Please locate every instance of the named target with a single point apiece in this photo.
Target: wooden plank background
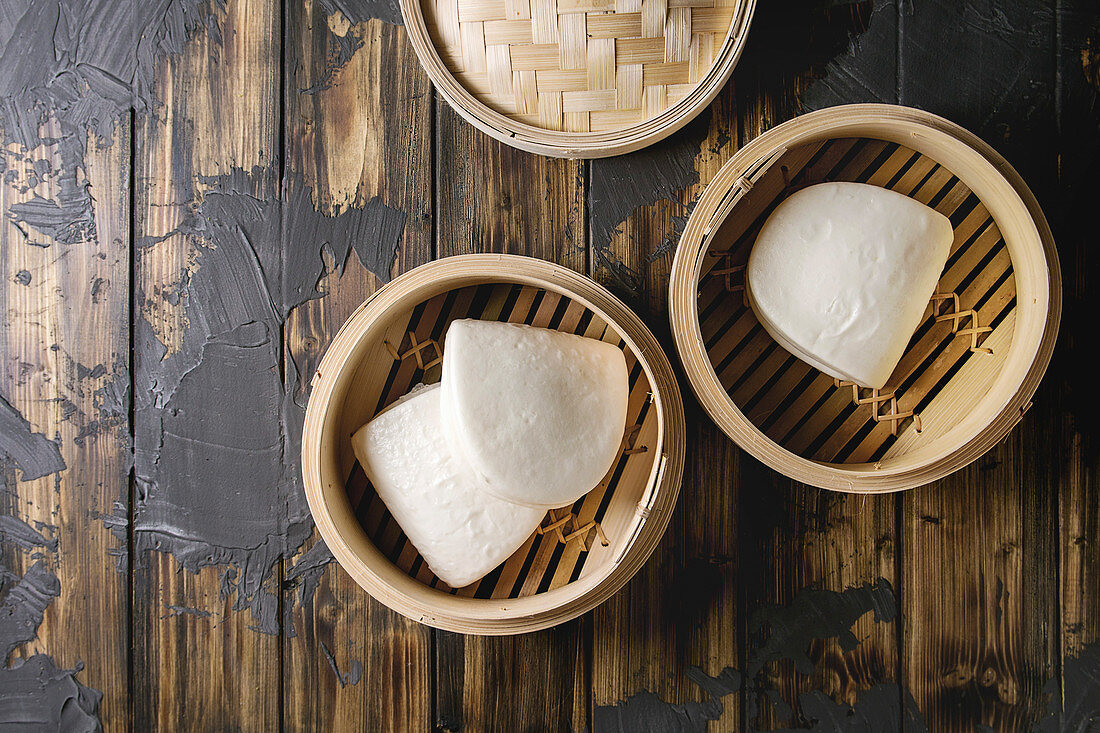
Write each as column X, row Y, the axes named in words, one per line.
column 968, row 604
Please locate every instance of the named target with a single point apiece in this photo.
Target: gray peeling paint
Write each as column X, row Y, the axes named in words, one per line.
column 174, row 610
column 40, row 697
column 69, row 219
column 868, row 71
column 34, row 694
column 1005, row 96
column 878, row 708
column 647, row 713
column 1081, row 692
column 33, row 453
column 71, row 67
column 307, row 571
column 621, row 185
column 217, row 428
column 818, row 614
column 216, row 425
column 812, row 615
column 23, row 606
column 360, row 11
column 19, row 533
column 352, row 676
column 342, row 47
column 215, row 485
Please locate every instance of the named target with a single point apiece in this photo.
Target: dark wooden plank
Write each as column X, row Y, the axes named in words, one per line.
column 196, row 659
column 1069, row 401
column 811, row 550
column 491, row 198
column 820, row 554
column 354, row 147
column 784, row 538
column 980, row 591
column 676, row 623
column 1006, row 94
column 678, row 619
column 980, row 647
column 64, row 338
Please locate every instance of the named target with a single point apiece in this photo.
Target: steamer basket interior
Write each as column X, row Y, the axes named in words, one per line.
column 574, row 541
column 951, row 361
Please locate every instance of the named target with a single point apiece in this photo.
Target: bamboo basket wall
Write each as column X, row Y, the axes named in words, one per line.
column 578, row 78
column 970, row 370
column 581, row 554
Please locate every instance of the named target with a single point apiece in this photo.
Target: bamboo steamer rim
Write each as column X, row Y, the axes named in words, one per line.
column 341, row 530
column 561, row 144
column 1031, row 248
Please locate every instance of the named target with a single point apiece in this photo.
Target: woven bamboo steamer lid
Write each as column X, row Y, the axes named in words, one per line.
column 578, row 78
column 966, row 400
column 377, row 355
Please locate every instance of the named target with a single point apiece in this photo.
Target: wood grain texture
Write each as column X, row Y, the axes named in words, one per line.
column 1071, row 398
column 492, row 198
column 219, row 111
column 980, row 649
column 996, row 570
column 63, row 318
column 682, row 609
column 797, row 537
column 802, row 539
column 350, row 142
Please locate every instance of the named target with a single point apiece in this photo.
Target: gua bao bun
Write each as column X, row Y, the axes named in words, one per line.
column 841, row 274
column 459, row 530
column 538, row 414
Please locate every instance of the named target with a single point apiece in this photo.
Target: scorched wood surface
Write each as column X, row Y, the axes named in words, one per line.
column 196, row 194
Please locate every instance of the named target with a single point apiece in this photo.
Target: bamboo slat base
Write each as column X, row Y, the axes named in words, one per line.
column 955, row 391
column 582, row 553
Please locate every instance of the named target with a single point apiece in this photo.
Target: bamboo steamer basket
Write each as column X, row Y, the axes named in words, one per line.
column 968, row 374
column 581, row 554
column 578, row 78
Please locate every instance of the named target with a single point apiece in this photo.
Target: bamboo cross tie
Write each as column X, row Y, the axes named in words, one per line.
column 558, row 526
column 726, row 270
column 416, row 349
column 727, row 273
column 957, row 316
column 874, row 400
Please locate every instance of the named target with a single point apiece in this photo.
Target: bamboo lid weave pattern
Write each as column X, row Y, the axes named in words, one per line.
column 578, row 78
